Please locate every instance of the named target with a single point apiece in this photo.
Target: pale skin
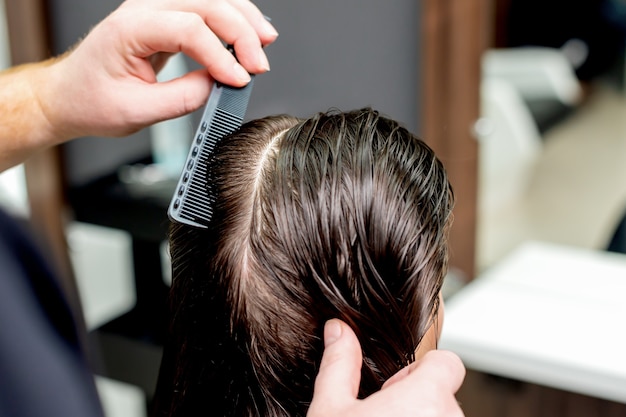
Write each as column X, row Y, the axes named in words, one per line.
column 425, row 388
column 107, row 86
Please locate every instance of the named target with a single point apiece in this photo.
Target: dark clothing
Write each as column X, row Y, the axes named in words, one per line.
column 43, row 370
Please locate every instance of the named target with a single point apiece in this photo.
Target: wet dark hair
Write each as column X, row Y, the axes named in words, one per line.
column 342, row 215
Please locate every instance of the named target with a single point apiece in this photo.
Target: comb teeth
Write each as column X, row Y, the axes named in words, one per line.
column 235, row 100
column 192, row 203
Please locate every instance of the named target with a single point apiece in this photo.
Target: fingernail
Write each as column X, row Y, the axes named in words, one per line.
column 269, row 29
column 263, row 62
column 241, row 73
column 332, row 332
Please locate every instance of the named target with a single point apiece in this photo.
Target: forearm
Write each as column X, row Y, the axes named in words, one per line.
column 24, row 126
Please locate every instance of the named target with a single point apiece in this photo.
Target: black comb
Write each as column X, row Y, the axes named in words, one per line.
column 192, row 202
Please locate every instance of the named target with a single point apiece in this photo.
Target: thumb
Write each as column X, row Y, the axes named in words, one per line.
column 178, row 96
column 337, row 384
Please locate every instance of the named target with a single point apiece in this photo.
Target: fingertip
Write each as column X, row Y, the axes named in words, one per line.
column 337, row 331
column 251, row 56
column 340, row 368
column 225, row 68
column 453, row 360
column 263, row 27
column 443, row 366
column 332, row 332
column 268, row 32
column 241, row 74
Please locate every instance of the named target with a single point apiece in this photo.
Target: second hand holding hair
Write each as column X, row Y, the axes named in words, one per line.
column 426, row 387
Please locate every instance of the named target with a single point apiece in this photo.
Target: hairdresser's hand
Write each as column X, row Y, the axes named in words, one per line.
column 107, row 85
column 425, row 388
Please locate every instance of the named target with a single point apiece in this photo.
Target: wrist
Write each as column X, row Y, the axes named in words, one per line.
column 24, row 127
column 52, row 99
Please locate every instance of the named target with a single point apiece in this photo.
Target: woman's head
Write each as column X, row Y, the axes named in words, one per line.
column 341, row 215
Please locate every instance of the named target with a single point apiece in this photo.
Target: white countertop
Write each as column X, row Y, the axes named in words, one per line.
column 547, row 314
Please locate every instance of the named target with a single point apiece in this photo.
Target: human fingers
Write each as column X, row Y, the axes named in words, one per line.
column 337, row 383
column 444, row 368
column 398, row 376
column 217, row 10
column 236, row 22
column 233, row 26
column 171, row 32
column 169, row 99
column 441, row 374
column 266, row 31
column 437, row 366
column 446, row 365
column 427, row 388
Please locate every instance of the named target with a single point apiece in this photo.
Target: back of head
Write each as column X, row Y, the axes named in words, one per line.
column 341, row 215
